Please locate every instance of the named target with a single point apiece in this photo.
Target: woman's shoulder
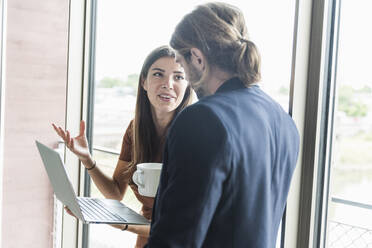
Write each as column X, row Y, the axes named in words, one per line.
column 131, row 124
column 126, row 147
column 129, row 130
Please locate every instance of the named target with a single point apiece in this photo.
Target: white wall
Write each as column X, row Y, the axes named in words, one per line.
column 2, row 93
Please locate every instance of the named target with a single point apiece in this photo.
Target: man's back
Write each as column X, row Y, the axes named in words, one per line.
column 228, row 164
column 265, row 147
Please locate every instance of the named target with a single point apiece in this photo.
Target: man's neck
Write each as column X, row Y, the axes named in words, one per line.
column 215, row 79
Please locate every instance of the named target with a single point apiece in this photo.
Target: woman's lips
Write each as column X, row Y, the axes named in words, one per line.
column 166, row 97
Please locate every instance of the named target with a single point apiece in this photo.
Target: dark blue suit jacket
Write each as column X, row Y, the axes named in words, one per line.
column 228, row 164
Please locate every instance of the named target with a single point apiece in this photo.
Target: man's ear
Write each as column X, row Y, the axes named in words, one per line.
column 197, row 58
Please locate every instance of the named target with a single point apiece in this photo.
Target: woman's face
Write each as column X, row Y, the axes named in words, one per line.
column 165, row 85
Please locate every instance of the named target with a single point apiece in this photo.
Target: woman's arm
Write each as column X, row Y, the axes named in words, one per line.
column 141, row 230
column 108, row 186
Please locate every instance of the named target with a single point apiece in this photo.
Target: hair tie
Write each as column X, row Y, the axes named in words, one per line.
column 243, row 40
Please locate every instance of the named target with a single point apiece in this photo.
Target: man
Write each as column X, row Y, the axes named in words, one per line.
column 229, row 158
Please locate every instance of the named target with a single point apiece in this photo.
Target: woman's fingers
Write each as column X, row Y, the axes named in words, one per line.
column 62, row 133
column 55, row 128
column 69, row 211
column 66, row 136
column 72, row 144
column 68, row 139
column 82, row 128
column 58, row 131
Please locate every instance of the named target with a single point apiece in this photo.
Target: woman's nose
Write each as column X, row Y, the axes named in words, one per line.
column 168, row 83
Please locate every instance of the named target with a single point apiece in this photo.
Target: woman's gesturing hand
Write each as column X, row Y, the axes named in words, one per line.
column 78, row 145
column 69, row 212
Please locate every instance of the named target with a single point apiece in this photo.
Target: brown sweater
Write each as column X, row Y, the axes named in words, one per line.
column 123, row 176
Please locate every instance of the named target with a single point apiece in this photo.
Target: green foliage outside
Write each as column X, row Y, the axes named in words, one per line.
column 356, row 150
column 366, row 89
column 349, row 104
column 109, row 82
column 283, row 90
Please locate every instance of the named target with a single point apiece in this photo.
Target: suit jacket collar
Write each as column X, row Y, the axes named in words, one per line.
column 232, row 84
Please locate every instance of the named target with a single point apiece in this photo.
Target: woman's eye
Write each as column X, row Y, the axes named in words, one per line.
column 178, row 77
column 157, row 74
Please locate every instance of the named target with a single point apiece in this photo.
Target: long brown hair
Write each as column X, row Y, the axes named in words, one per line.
column 145, row 140
column 218, row 30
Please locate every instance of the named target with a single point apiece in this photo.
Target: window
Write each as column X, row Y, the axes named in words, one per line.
column 349, row 211
column 125, row 34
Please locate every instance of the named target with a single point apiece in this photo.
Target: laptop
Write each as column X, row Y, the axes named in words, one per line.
column 89, row 210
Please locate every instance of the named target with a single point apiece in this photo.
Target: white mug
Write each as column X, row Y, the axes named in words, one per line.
column 147, row 178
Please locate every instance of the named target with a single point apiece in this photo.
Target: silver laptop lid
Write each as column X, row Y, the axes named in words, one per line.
column 59, row 179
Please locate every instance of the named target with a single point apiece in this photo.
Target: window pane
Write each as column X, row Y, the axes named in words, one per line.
column 127, row 32
column 350, row 201
column 104, row 236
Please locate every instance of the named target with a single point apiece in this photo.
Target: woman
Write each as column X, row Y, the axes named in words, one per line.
column 162, row 93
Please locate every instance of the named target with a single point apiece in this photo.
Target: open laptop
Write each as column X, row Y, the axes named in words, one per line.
column 89, row 210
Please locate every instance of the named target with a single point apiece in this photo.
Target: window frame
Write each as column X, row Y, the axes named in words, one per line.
column 312, row 74
column 323, row 197
column 326, row 124
column 308, row 50
column 317, row 124
column 77, row 108
column 305, row 106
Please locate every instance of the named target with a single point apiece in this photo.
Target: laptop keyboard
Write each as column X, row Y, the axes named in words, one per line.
column 95, row 209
